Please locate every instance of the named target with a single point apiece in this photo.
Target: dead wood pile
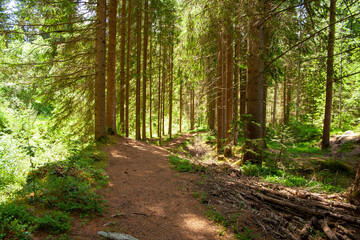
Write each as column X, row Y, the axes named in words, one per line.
column 284, row 213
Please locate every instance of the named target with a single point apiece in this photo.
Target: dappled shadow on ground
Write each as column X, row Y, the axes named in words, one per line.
column 147, row 199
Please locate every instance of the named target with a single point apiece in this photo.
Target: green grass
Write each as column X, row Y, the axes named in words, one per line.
column 183, row 165
column 305, row 147
column 52, row 192
column 324, row 183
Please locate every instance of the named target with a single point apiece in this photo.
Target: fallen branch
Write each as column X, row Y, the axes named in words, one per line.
column 305, row 232
column 327, row 230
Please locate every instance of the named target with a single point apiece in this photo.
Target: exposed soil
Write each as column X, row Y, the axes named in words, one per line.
column 147, row 199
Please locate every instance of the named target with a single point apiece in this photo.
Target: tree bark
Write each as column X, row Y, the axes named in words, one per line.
column 111, row 86
column 181, row 104
column 159, row 98
column 229, row 92
column 288, row 103
column 211, row 96
column 100, row 114
column 146, row 29
column 284, row 100
column 329, row 77
column 192, row 109
column 220, row 93
column 254, row 92
column 150, row 87
column 275, row 103
column 138, row 71
column 128, row 70
column 243, row 83
column 122, row 66
column 298, row 84
column 171, row 90
column 164, row 76
column 236, row 90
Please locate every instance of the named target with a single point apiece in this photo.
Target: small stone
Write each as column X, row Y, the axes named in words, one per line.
column 349, row 133
column 116, row 236
column 109, row 224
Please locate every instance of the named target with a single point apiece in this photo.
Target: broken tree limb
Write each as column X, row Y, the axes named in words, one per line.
column 305, row 232
column 347, row 232
column 327, row 230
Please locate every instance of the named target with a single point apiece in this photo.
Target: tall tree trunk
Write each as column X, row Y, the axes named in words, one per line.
column 146, row 29
column 192, row 109
column 298, row 84
column 275, row 103
column 329, row 77
column 284, row 100
column 288, row 103
column 171, row 90
column 111, row 86
column 263, row 130
column 267, row 39
column 138, row 70
column 254, row 93
column 150, row 87
column 100, row 114
column 159, row 98
column 164, row 76
column 242, row 92
column 128, row 70
column 122, row 66
column 181, row 104
column 236, row 90
column 229, row 92
column 220, row 92
column 211, row 98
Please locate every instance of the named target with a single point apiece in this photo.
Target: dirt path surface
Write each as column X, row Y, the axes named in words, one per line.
column 147, row 199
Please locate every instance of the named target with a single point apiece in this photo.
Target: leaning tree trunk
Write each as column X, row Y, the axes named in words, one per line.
column 329, row 77
column 254, row 93
column 100, row 117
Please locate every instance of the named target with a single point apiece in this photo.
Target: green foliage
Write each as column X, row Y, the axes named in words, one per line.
column 305, row 133
column 347, row 146
column 304, row 147
column 15, row 221
column 216, row 216
column 70, row 185
column 54, row 222
column 288, row 178
column 245, row 234
column 334, row 166
column 183, row 165
column 52, row 192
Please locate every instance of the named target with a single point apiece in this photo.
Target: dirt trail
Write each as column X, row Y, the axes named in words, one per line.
column 150, row 200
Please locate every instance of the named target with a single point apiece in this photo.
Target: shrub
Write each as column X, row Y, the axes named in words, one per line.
column 54, row 222
column 15, row 221
column 183, row 165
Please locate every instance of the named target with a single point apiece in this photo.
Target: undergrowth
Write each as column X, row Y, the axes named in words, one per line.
column 183, row 165
column 54, row 191
column 322, row 179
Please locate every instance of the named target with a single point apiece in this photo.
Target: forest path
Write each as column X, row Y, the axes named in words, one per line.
column 146, row 198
